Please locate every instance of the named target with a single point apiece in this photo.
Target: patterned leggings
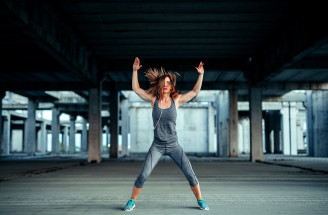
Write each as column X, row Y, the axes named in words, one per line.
column 175, row 151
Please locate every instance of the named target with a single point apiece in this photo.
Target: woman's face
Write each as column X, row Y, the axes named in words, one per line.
column 167, row 85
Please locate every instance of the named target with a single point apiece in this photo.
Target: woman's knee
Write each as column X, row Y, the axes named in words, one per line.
column 140, row 180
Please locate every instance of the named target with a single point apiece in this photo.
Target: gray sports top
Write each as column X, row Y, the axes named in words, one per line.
column 165, row 129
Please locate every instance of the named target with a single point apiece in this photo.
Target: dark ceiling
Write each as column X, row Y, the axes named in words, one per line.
column 72, row 45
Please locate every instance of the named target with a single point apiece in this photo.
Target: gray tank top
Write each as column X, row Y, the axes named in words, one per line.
column 165, row 130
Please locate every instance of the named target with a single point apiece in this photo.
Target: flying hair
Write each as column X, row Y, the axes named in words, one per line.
column 156, row 78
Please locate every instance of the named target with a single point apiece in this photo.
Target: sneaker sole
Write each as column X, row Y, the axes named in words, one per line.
column 131, row 209
column 204, row 209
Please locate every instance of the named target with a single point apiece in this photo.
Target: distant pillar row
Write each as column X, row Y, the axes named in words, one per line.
column 272, row 130
column 255, row 110
column 95, row 128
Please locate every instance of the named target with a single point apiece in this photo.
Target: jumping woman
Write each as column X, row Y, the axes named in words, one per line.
column 165, row 101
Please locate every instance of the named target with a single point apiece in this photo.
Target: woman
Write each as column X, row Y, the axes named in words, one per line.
column 165, row 101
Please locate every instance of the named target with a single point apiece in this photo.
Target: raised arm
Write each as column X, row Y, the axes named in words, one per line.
column 135, row 83
column 191, row 94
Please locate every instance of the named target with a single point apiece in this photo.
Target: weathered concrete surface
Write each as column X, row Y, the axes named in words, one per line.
column 238, row 187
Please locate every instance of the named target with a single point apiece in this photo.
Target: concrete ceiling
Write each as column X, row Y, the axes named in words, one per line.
column 73, row 44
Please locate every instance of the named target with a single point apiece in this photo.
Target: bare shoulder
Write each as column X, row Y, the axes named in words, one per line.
column 177, row 98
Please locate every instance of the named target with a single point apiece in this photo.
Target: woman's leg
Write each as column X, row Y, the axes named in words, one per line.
column 197, row 192
column 135, row 192
column 176, row 152
column 153, row 156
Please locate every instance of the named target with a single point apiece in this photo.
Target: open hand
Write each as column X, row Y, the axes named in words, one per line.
column 200, row 68
column 136, row 65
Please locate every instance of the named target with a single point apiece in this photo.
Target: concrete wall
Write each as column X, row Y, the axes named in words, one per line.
column 244, row 136
column 192, row 127
column 293, row 119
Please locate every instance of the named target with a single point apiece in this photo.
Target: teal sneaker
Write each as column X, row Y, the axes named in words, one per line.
column 202, row 204
column 130, row 205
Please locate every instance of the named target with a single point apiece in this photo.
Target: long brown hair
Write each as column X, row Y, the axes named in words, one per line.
column 157, row 77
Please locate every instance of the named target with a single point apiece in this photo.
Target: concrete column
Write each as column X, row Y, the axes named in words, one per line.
column 55, row 131
column 114, row 101
column 2, row 94
column 276, row 134
column 6, row 134
column 267, row 148
column 84, row 136
column 309, row 124
column 30, row 134
column 255, row 109
column 43, row 138
column 293, row 127
column 222, row 118
column 95, row 128
column 125, row 126
column 72, row 135
column 107, row 135
column 233, row 123
column 240, row 137
column 65, row 141
column 211, row 129
column 320, row 123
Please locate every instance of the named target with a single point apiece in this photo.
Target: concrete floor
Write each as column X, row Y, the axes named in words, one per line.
column 230, row 187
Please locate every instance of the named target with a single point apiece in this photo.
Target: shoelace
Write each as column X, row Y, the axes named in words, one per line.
column 130, row 202
column 202, row 202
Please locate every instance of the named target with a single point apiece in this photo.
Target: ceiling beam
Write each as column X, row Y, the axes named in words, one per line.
column 53, row 33
column 297, row 38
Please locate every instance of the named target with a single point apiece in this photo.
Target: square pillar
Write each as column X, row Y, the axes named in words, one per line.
column 6, row 135
column 222, row 119
column 55, row 131
column 309, row 124
column 43, row 138
column 2, row 94
column 84, row 136
column 125, row 126
column 72, row 135
column 95, row 131
column 255, row 112
column 30, row 133
column 114, row 111
column 107, row 135
column 233, row 123
column 65, row 140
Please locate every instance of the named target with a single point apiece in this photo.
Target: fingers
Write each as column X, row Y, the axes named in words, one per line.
column 136, row 60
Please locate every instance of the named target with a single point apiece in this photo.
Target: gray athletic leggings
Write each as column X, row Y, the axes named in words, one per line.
column 175, row 151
